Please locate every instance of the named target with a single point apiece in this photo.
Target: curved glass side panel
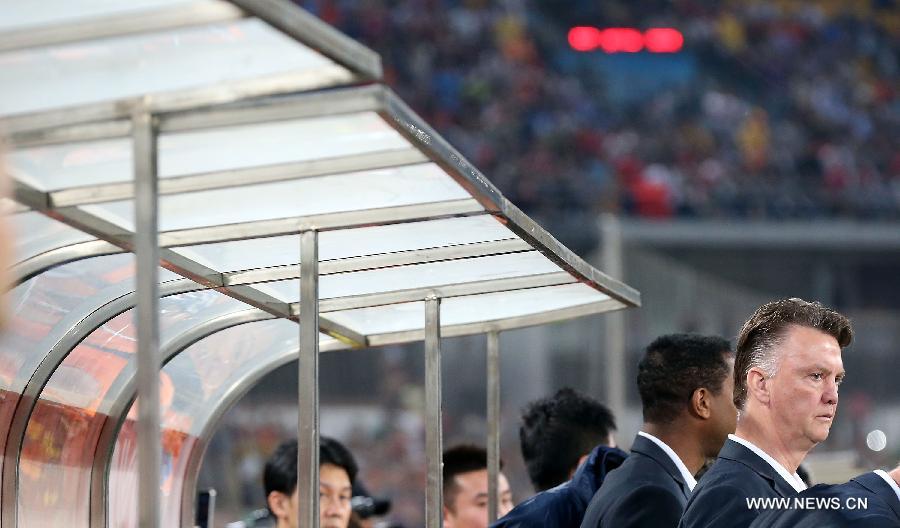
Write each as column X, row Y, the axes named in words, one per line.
column 38, row 309
column 196, row 380
column 104, row 69
column 36, row 233
column 469, row 309
column 62, row 434
column 345, row 243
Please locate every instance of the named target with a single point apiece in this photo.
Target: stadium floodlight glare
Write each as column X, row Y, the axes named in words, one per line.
column 625, row 40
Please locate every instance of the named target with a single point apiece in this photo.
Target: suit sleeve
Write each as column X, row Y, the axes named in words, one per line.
column 645, row 507
column 716, row 506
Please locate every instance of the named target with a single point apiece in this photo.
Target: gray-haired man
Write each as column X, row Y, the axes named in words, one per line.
column 786, row 375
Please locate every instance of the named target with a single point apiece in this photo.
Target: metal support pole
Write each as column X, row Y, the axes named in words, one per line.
column 434, row 502
column 308, row 364
column 615, row 322
column 493, row 423
column 146, row 245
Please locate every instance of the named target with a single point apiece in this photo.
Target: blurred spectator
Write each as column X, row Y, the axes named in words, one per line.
column 787, row 110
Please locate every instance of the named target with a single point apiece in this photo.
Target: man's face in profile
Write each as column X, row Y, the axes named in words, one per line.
column 470, row 504
column 724, row 413
column 804, row 393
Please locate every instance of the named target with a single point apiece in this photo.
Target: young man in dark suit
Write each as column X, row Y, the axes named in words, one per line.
column 786, row 375
column 686, row 385
column 871, row 500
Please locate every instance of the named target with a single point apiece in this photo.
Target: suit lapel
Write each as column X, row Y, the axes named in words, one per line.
column 648, row 448
column 739, row 453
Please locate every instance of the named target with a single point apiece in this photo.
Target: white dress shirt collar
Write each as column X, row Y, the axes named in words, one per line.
column 891, row 482
column 794, row 480
column 685, row 474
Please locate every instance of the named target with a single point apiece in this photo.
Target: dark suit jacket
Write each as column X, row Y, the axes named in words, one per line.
column 845, row 507
column 646, row 491
column 564, row 505
column 720, row 498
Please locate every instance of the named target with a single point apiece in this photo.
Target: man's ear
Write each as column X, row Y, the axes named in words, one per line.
column 279, row 503
column 701, row 403
column 758, row 385
column 448, row 523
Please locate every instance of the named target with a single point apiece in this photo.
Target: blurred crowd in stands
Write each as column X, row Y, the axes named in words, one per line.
column 791, row 110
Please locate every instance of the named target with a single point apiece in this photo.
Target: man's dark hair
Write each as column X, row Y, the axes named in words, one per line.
column 557, row 431
column 767, row 327
column 280, row 473
column 458, row 460
column 676, row 365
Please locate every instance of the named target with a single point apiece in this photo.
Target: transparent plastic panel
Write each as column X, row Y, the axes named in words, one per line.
column 422, row 275
column 197, row 380
column 333, row 245
column 40, row 310
column 18, row 15
column 61, row 437
column 469, row 309
column 35, row 233
column 55, row 167
column 134, row 65
column 414, row 184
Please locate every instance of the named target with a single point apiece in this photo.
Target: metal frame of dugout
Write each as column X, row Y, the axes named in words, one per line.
column 340, row 210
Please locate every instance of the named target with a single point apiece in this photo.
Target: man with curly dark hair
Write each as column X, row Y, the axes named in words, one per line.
column 686, row 385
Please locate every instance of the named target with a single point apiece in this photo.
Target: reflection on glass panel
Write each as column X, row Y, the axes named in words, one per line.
column 413, row 184
column 55, row 167
column 61, row 437
column 196, row 381
column 37, row 312
column 25, row 15
column 276, row 251
column 422, row 275
column 36, row 233
column 469, row 309
column 128, row 66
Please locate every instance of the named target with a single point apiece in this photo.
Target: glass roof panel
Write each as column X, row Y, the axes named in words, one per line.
column 468, row 309
column 135, row 65
column 55, row 167
column 276, row 251
column 396, row 186
column 421, row 275
column 18, row 15
column 37, row 233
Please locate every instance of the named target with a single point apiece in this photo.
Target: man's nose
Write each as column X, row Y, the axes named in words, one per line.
column 830, row 396
column 329, row 506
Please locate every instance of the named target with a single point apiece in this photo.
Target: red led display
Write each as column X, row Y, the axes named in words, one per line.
column 625, row 40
